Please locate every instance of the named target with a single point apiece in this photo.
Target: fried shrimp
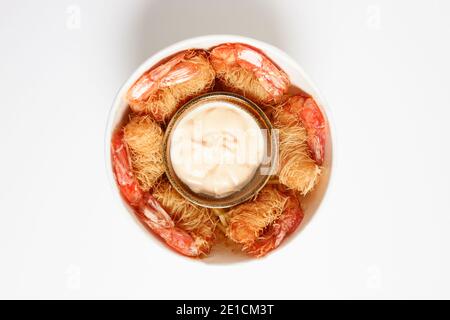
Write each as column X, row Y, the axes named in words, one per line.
column 199, row 222
column 261, row 224
column 304, row 110
column 297, row 169
column 275, row 233
column 190, row 238
column 249, row 219
column 160, row 91
column 144, row 139
column 248, row 71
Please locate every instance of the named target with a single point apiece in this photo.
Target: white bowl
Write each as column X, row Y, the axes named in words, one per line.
column 298, row 78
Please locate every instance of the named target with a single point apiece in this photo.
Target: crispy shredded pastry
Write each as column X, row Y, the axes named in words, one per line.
column 144, row 139
column 248, row 220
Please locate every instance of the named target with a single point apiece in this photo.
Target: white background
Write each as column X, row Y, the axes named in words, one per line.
column 383, row 231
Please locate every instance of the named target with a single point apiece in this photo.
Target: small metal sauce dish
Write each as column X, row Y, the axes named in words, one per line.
column 263, row 172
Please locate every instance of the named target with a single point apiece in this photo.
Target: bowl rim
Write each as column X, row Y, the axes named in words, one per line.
column 159, row 55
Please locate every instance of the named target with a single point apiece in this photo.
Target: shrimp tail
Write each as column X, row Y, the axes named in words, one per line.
column 159, row 221
column 128, row 184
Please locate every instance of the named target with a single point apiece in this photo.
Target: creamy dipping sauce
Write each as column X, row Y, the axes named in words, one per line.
column 216, row 148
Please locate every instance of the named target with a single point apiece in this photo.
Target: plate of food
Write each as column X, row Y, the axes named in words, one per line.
column 220, row 147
